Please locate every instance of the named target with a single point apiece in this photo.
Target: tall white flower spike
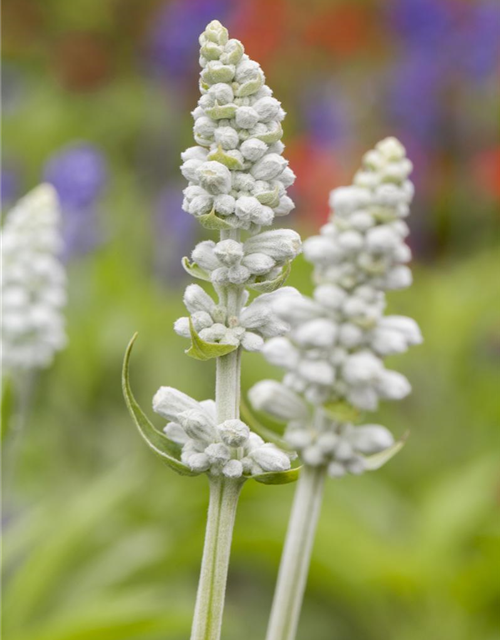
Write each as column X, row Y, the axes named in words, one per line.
column 237, row 184
column 333, row 354
column 33, row 283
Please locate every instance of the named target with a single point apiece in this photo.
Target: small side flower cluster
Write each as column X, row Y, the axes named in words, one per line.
column 230, row 448
column 248, row 329
column 333, row 353
column 33, row 282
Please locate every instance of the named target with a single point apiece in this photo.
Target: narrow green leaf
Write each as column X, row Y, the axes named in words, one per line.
column 221, row 111
column 155, row 440
column 377, row 460
column 269, row 198
column 201, row 350
column 272, row 136
column 278, row 477
column 194, row 270
column 213, row 222
column 249, row 87
column 267, row 286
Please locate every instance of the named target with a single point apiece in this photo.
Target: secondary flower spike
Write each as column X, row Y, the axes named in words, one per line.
column 334, row 353
column 33, row 282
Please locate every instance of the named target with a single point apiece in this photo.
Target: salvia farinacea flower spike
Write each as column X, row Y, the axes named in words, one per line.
column 33, row 283
column 237, row 185
column 333, row 355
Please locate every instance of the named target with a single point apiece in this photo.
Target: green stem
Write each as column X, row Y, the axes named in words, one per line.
column 207, row 621
column 296, row 556
column 224, row 492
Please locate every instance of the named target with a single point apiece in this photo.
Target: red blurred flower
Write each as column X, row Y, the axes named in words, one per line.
column 486, row 171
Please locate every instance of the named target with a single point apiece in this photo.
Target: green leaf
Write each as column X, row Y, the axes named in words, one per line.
column 267, row 286
column 269, row 198
column 249, row 87
column 220, row 112
column 219, row 155
column 155, row 440
column 341, row 411
column 194, row 270
column 377, row 460
column 213, row 222
column 264, row 432
column 201, row 350
column 271, row 136
column 278, row 477
column 7, row 406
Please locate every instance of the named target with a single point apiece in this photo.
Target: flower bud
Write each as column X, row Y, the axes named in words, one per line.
column 198, row 462
column 280, row 352
column 258, row 263
column 270, row 458
column 370, row 438
column 196, row 299
column 214, row 177
column 233, row 469
column 267, row 108
column 246, row 117
column 251, row 341
column 393, row 385
column 277, row 400
column 226, row 137
column 279, row 244
column 218, row 453
column 253, row 149
column 248, row 208
column 317, row 333
column 268, row 167
column 362, row 368
column 234, row 433
column 197, row 424
column 229, row 252
column 169, row 403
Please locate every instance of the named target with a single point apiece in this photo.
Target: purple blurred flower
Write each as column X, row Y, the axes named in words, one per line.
column 172, row 47
column 326, row 116
column 421, row 22
column 479, row 40
column 78, row 172
column 175, row 231
column 9, row 186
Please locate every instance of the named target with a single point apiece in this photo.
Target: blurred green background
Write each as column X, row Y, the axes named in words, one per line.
column 101, row 542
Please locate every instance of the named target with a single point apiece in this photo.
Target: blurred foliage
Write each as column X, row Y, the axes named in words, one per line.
column 101, row 541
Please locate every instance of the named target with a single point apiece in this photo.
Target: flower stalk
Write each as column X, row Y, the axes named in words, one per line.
column 207, row 620
column 296, row 556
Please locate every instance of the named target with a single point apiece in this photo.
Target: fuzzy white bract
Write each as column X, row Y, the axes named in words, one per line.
column 334, row 352
column 33, row 282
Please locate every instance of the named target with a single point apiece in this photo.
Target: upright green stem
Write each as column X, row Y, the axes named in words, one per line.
column 224, row 492
column 296, row 556
column 207, row 619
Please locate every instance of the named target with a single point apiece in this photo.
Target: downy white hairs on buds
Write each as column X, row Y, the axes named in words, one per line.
column 237, row 183
column 33, row 282
column 333, row 354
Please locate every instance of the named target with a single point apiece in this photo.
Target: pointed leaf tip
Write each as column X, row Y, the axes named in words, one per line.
column 155, row 440
column 201, row 350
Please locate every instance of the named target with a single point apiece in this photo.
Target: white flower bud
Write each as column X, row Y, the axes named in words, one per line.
column 246, row 117
column 258, row 263
column 330, row 296
column 277, row 400
column 350, row 335
column 391, row 148
column 198, row 462
column 233, row 469
column 297, row 309
column 365, row 398
column 214, row 177
column 181, row 327
column 267, row 108
column 270, row 458
column 227, row 137
column 218, row 453
column 398, row 278
column 336, row 470
column 279, row 244
column 348, row 199
column 229, row 252
column 268, row 167
column 405, row 326
column 194, row 153
column 318, row 333
column 253, row 149
column 362, row 368
column 204, row 256
column 284, row 207
column 370, row 438
column 382, row 239
column 169, row 403
column 188, row 169
column 196, row 299
column 238, row 274
column 288, row 177
column 313, row 455
column 393, row 385
column 248, row 208
column 234, row 433
column 204, row 127
column 176, row 433
column 221, row 92
column 350, row 241
column 215, row 333
column 280, row 352
column 224, row 204
column 251, row 341
column 197, row 424
column 321, row 250
column 361, row 221
column 356, row 465
column 317, row 372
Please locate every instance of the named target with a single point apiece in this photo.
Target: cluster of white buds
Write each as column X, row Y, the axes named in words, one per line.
column 230, row 448
column 236, row 172
column 248, row 329
column 334, row 352
column 33, row 282
column 237, row 183
column 259, row 259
